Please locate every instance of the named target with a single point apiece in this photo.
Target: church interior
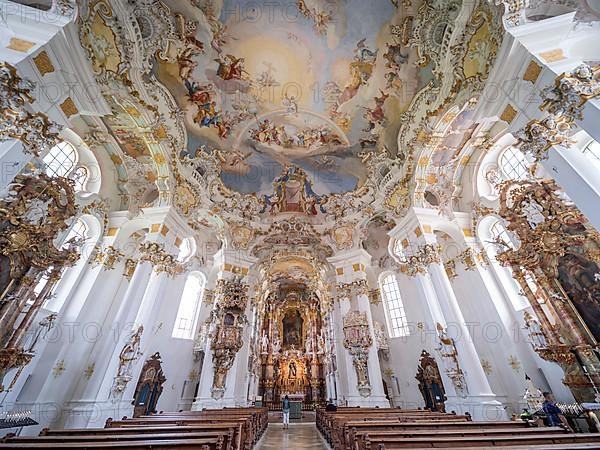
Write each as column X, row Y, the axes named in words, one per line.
column 336, row 224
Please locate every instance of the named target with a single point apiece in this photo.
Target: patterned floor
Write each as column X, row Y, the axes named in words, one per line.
column 300, row 436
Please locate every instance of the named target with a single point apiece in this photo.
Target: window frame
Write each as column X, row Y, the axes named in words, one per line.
column 518, row 166
column 395, row 311
column 53, row 156
column 186, row 333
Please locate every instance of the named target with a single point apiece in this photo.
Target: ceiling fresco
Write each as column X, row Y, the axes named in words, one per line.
column 247, row 114
column 304, row 84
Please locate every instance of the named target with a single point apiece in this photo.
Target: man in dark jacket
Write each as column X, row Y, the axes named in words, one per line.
column 553, row 412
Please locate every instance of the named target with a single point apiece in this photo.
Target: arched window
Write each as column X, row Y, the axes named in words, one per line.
column 592, row 151
column 187, row 315
column 513, row 164
column 500, row 234
column 394, row 308
column 79, row 231
column 61, row 160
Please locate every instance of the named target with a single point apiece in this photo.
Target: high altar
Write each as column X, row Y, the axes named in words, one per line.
column 292, row 347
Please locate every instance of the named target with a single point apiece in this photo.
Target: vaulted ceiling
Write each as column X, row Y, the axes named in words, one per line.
column 242, row 113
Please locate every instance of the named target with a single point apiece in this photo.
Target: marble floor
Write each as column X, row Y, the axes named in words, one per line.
column 300, row 436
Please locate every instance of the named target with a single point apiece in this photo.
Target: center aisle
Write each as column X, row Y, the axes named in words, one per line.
column 300, row 436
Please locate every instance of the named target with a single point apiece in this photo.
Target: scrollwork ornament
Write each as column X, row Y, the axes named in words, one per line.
column 35, row 131
column 155, row 253
column 352, row 289
column 107, row 257
column 358, row 341
column 570, row 92
column 231, row 294
column 514, row 11
column 539, row 136
column 129, row 354
column 423, row 257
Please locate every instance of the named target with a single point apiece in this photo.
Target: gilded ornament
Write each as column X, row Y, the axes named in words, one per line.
column 34, row 130
column 107, row 257
column 59, row 368
column 89, row 371
column 539, row 136
column 422, row 258
column 570, row 93
column 347, row 291
column 43, row 63
column 358, row 340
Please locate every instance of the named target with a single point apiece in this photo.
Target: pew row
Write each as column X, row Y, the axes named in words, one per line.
column 228, row 429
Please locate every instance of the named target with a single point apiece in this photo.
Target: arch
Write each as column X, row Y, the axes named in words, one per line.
column 189, row 306
column 487, row 165
column 88, row 228
column 395, row 314
column 84, row 168
column 503, row 275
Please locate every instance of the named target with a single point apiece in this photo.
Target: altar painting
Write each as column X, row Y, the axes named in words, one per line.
column 580, row 278
column 293, row 326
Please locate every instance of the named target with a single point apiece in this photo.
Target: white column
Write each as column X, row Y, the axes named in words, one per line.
column 228, row 265
column 481, row 401
column 351, row 267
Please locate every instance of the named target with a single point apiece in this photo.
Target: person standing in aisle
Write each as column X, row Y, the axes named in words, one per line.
column 286, row 412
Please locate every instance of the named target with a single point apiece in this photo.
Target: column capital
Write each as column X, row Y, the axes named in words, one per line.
column 230, row 263
column 350, row 265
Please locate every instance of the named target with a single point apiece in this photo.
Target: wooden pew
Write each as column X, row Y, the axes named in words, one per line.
column 433, row 441
column 235, row 429
column 232, row 432
column 332, row 424
column 155, row 444
column 352, row 430
column 246, row 432
column 391, row 429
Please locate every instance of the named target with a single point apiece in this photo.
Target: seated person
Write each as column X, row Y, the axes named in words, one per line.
column 330, row 406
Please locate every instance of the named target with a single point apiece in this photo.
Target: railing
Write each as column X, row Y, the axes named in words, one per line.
column 277, row 406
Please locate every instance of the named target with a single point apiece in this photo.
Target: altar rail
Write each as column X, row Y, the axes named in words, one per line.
column 306, row 406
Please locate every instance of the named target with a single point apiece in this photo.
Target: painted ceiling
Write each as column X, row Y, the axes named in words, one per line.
column 241, row 113
column 308, row 84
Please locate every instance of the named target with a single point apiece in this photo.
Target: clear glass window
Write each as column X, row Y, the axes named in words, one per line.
column 396, row 317
column 514, row 165
column 61, row 160
column 187, row 314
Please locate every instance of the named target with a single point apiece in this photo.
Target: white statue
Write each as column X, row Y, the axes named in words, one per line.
column 536, row 335
column 309, row 344
column 264, row 345
column 320, row 345
column 276, row 346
